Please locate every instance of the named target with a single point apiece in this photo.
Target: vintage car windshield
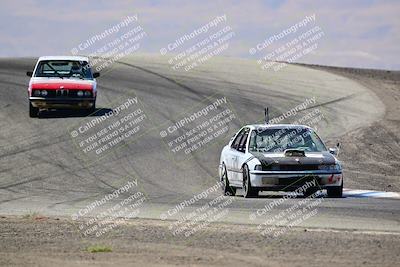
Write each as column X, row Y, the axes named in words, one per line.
column 64, row 69
column 278, row 140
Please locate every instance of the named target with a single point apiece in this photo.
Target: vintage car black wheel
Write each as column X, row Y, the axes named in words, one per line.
column 249, row 191
column 92, row 109
column 33, row 112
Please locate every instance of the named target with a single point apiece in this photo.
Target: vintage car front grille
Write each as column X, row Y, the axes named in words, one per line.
column 60, row 93
column 291, row 167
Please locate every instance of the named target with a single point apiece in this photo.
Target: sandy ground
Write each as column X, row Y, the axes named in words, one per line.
column 41, row 241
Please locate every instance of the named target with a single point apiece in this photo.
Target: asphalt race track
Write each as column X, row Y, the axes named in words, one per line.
column 41, row 169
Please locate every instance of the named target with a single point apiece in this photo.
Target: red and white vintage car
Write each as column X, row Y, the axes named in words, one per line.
column 62, row 82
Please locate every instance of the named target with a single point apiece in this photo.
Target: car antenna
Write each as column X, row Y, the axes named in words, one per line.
column 266, row 114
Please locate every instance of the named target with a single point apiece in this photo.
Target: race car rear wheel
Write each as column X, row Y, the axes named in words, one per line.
column 226, row 188
column 335, row 191
column 249, row 191
column 33, row 112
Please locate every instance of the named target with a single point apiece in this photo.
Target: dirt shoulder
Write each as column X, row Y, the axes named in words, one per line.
column 41, row 241
column 370, row 154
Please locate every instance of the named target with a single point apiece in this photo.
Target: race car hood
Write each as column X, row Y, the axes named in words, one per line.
column 58, row 83
column 310, row 158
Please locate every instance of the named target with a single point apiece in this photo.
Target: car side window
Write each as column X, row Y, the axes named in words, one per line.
column 243, row 141
column 236, row 142
column 253, row 141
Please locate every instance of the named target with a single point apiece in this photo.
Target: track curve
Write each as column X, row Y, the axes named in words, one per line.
column 41, row 171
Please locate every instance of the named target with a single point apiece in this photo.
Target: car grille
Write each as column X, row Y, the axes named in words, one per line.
column 291, row 167
column 60, row 93
column 299, row 181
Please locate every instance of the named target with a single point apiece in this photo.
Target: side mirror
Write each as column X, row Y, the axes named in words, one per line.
column 96, row 74
column 335, row 150
column 29, row 73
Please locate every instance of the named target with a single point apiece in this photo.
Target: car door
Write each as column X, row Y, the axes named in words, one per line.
column 231, row 157
column 238, row 156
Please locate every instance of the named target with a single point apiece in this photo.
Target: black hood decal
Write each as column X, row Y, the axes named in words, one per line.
column 325, row 159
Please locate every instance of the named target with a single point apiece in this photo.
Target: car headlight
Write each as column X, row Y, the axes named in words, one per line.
column 87, row 93
column 44, row 92
column 36, row 92
column 258, row 167
column 80, row 93
column 338, row 167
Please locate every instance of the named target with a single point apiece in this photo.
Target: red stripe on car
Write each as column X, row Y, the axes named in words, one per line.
column 57, row 86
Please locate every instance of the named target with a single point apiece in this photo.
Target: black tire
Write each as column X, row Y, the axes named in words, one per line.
column 92, row 109
column 33, row 112
column 226, row 188
column 249, row 191
column 310, row 191
column 335, row 191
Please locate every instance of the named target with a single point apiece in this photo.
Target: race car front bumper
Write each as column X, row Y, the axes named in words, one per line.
column 62, row 102
column 290, row 180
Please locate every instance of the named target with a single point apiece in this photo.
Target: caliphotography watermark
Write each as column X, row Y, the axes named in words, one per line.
column 304, row 113
column 308, row 102
column 289, row 45
column 275, row 224
column 195, row 48
column 113, row 43
column 194, row 214
column 197, row 129
column 106, row 213
column 108, row 129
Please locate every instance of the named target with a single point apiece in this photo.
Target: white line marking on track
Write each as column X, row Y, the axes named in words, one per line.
column 358, row 193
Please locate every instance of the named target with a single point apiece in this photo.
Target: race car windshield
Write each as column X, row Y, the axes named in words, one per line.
column 278, row 140
column 64, row 69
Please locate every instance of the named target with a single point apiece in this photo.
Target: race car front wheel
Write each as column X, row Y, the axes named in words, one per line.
column 310, row 191
column 226, row 188
column 93, row 107
column 33, row 112
column 249, row 191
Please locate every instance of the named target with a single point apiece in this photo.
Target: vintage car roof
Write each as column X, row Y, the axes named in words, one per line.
column 77, row 58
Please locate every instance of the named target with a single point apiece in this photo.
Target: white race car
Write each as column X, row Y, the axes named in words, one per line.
column 62, row 82
column 281, row 157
